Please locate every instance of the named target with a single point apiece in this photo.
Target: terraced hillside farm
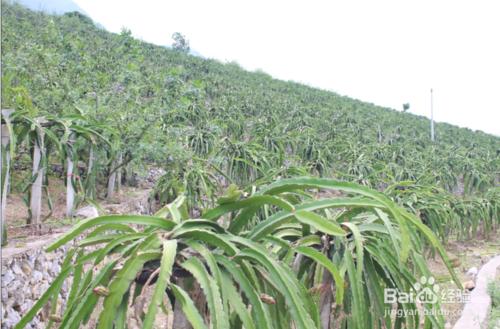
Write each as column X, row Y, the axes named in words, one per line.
column 274, row 204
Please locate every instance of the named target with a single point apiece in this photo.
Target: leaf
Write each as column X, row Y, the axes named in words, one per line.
column 259, row 311
column 123, row 278
column 173, row 209
column 120, row 285
column 111, row 227
column 287, row 185
column 321, row 259
column 235, row 301
column 320, row 223
column 211, row 290
column 188, row 308
column 394, row 237
column 121, row 315
column 211, row 238
column 358, row 309
column 167, row 262
column 435, row 243
column 112, row 219
column 279, row 277
column 358, row 241
column 272, row 222
column 104, row 251
column 85, row 303
column 254, row 201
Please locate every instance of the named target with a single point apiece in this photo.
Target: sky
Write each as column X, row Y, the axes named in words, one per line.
column 383, row 52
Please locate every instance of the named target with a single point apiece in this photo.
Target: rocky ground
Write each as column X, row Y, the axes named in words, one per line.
column 26, row 269
column 26, row 274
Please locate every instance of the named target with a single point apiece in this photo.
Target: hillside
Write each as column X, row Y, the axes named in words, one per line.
column 66, row 62
column 185, row 113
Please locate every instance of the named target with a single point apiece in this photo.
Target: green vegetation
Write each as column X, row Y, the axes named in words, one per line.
column 232, row 144
column 494, row 291
column 264, row 274
column 210, row 124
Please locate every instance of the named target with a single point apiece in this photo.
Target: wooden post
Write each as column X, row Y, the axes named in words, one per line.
column 4, row 173
column 70, row 190
column 36, row 187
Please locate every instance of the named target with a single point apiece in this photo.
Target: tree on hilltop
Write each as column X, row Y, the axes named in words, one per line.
column 180, row 42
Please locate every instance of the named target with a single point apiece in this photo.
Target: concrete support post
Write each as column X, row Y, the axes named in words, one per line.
column 70, row 190
column 5, row 174
column 36, row 187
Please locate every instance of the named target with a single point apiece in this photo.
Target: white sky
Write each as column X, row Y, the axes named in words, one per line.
column 384, row 52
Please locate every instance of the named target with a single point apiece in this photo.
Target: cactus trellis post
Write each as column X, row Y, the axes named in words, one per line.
column 4, row 172
column 38, row 172
column 70, row 190
column 119, row 173
column 90, row 185
column 111, row 182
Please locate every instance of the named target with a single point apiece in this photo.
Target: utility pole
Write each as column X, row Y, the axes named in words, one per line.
column 432, row 118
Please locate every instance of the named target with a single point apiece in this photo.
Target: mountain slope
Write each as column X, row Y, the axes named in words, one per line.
column 168, row 105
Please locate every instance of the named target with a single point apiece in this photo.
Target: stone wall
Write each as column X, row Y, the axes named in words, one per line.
column 27, row 272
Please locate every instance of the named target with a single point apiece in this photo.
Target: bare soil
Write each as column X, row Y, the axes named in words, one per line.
column 16, row 211
column 124, row 201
